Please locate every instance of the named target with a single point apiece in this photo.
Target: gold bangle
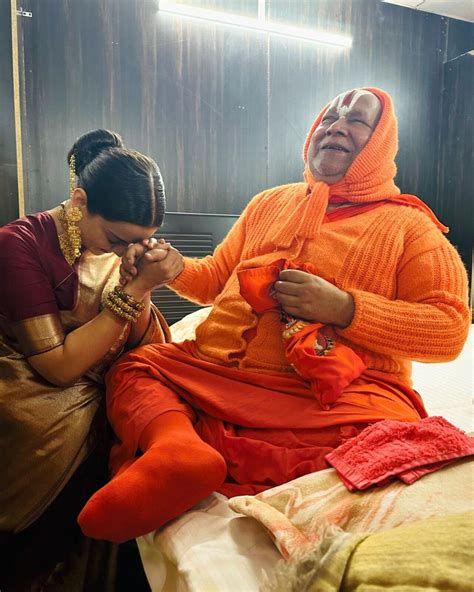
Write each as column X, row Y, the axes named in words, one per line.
column 118, row 309
column 118, row 312
column 123, row 305
column 130, row 300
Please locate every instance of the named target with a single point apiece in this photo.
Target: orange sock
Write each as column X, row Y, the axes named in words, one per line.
column 176, row 471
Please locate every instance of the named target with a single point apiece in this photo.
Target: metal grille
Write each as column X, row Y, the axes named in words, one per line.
column 170, row 304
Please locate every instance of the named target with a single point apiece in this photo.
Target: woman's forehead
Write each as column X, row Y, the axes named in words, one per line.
column 129, row 232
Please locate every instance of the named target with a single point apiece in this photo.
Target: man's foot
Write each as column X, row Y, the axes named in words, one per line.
column 178, row 471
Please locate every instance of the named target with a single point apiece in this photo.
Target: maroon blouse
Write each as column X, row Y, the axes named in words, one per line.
column 35, row 279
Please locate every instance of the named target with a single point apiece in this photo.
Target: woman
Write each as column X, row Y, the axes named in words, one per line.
column 62, row 322
column 386, row 281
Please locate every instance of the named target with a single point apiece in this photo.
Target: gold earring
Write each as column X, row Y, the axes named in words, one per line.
column 72, row 175
column 70, row 241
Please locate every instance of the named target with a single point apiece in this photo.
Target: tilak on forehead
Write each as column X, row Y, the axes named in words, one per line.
column 345, row 102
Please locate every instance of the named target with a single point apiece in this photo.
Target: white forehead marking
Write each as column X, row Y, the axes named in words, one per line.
column 341, row 109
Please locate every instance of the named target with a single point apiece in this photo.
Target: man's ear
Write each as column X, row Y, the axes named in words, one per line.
column 79, row 198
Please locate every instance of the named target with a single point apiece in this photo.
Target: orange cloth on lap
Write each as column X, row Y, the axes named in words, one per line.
column 311, row 348
column 268, row 427
column 329, row 373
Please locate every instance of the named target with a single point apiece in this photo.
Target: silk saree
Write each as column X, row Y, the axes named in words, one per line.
column 46, row 431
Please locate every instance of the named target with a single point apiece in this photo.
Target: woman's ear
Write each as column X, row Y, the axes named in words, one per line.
column 79, row 197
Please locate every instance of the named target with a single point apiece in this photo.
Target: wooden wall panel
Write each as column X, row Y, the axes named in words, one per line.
column 397, row 50
column 193, row 97
column 225, row 111
column 460, row 38
column 456, row 172
column 8, row 170
column 211, row 110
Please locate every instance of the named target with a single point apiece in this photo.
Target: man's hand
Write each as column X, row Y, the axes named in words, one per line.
column 135, row 251
column 309, row 297
column 156, row 268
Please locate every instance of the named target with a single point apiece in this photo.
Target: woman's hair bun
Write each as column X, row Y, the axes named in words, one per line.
column 90, row 145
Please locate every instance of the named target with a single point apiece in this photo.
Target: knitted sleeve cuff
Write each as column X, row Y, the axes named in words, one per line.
column 410, row 330
column 357, row 330
column 181, row 283
column 188, row 285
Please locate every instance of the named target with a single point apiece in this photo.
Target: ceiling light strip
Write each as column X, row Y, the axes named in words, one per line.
column 259, row 25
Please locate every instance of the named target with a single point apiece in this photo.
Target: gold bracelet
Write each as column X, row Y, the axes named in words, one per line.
column 118, row 309
column 118, row 312
column 123, row 305
column 130, row 300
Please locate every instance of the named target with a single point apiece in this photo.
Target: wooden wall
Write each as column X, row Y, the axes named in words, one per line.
column 8, row 169
column 455, row 197
column 225, row 111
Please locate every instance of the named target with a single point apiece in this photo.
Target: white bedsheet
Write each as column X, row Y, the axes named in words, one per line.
column 213, row 549
column 447, row 389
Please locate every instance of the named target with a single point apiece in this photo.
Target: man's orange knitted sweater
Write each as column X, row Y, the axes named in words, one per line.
column 408, row 282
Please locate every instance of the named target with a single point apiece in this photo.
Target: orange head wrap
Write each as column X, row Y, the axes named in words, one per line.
column 370, row 177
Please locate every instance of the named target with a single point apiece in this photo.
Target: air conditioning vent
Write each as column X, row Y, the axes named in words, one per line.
column 194, row 235
column 172, row 306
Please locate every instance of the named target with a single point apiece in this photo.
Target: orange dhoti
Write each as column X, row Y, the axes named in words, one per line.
column 269, row 428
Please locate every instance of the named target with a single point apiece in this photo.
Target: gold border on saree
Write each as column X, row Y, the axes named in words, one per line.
column 39, row 334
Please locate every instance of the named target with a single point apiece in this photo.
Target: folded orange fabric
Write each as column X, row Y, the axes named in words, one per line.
column 310, row 348
column 407, row 450
column 329, row 366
